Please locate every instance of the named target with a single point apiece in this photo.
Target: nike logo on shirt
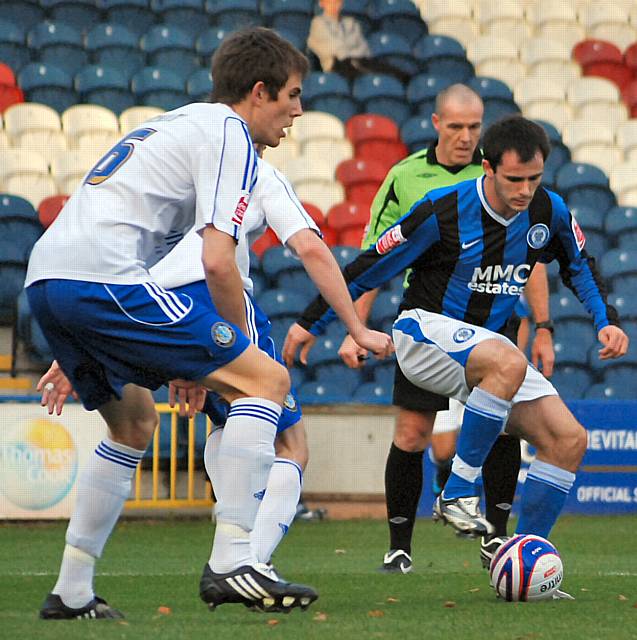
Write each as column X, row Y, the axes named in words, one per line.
column 468, row 245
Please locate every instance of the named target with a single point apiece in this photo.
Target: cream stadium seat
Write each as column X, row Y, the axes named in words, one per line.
column 132, row 117
column 68, row 168
column 544, row 12
column 497, row 58
column 586, row 132
column 506, row 17
column 317, row 124
column 543, row 100
column 90, row 127
column 596, row 99
column 509, row 71
column 623, row 181
column 283, row 156
column 334, row 151
column 608, row 21
column 16, row 162
column 5, row 143
column 623, row 35
column 310, row 170
column 606, row 158
column 464, row 30
column 324, row 196
column 32, row 187
column 626, row 135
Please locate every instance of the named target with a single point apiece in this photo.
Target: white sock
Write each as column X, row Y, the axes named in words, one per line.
column 243, row 462
column 103, row 487
column 277, row 509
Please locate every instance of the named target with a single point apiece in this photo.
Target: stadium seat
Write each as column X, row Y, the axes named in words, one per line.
column 107, row 87
column 264, row 242
column 382, row 94
column 133, row 117
column 337, row 372
column 7, row 77
column 418, row 133
column 34, row 127
column 26, row 13
column 68, row 168
column 620, row 220
column 603, row 59
column 491, row 88
column 79, row 14
column 284, row 155
column 630, row 55
column 373, row 393
column 625, row 304
column 608, row 21
column 618, row 262
column 425, row 87
column 506, row 16
column 187, row 15
column 18, row 234
column 569, row 352
column 315, row 213
column 116, row 46
column 571, row 382
column 542, row 99
column 626, row 136
column 593, row 142
column 136, row 15
column 158, row 87
column 278, row 259
column 325, row 351
column 393, row 49
column 310, row 170
column 12, row 206
column 623, row 181
column 344, row 255
column 234, row 14
column 49, row 208
column 544, row 12
column 495, row 109
column 59, row 45
column 376, row 136
column 385, row 307
column 352, row 236
column 199, row 85
column 361, row 179
column 47, row 84
column 317, row 125
column 324, row 196
column 486, row 49
column 565, row 306
column 331, row 93
column 596, row 99
column 579, row 330
column 290, row 15
column 88, row 126
column 13, row 50
column 582, row 183
column 346, row 215
column 171, row 48
column 443, row 56
column 21, row 162
column 10, row 96
column 400, row 17
column 322, row 393
column 602, row 391
column 208, row 42
column 588, row 218
column 12, row 276
column 299, row 282
column 629, row 95
column 276, row 302
column 549, row 57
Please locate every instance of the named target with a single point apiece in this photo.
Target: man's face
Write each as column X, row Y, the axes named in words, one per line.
column 273, row 116
column 459, row 124
column 331, row 7
column 514, row 182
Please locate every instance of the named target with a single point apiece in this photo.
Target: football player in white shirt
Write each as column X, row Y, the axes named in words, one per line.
column 116, row 334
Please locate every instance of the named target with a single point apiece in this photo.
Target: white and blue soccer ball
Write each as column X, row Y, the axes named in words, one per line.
column 526, row 568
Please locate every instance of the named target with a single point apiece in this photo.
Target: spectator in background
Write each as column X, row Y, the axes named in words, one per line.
column 340, row 45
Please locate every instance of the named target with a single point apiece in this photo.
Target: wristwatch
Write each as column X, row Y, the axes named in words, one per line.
column 547, row 324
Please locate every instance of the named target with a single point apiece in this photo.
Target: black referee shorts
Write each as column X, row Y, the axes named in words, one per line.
column 409, row 396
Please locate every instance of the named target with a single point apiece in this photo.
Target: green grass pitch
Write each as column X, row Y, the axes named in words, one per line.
column 148, row 565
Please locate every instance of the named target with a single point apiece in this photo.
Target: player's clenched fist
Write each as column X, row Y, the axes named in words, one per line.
column 615, row 342
column 380, row 344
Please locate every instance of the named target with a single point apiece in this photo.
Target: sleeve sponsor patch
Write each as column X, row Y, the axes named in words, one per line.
column 580, row 238
column 389, row 240
column 240, row 209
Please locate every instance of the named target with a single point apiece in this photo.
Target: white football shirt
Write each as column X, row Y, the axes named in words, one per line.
column 195, row 165
column 273, row 203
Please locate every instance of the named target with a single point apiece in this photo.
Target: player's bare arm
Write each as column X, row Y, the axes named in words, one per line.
column 55, row 388
column 352, row 354
column 614, row 341
column 537, row 295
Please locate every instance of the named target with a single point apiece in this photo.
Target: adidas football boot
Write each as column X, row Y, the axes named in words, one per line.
column 54, row 609
column 464, row 515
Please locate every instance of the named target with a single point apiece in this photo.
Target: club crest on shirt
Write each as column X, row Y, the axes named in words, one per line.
column 580, row 238
column 390, row 240
column 290, row 402
column 463, row 334
column 537, row 236
column 223, row 334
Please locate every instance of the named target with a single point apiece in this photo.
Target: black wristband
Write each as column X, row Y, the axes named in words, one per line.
column 547, row 324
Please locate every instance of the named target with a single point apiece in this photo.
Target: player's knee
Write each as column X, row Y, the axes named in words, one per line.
column 413, row 430
column 135, row 432
column 574, row 443
column 512, row 365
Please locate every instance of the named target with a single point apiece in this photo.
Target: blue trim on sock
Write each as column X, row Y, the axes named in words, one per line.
column 294, row 464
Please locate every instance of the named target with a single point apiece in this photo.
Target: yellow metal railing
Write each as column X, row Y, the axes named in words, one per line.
column 172, row 500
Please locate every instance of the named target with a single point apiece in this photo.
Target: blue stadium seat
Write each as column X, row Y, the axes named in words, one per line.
column 322, row 393
column 187, row 15
column 384, row 373
column 291, row 15
column 199, row 85
column 596, row 243
column 382, row 94
column 551, row 166
column 570, row 352
column 584, row 184
column 12, row 273
column 208, row 42
column 26, row 13
column 588, row 218
column 12, row 48
column 331, row 93
column 443, row 56
column 234, row 14
column 298, row 281
column 280, row 326
column 336, row 331
column 625, row 304
column 490, row 88
column 344, row 255
column 79, row 14
column 619, row 221
column 374, row 393
column 560, row 153
column 601, row 391
column 630, row 328
column 425, row 87
column 579, row 330
column 418, row 133
column 618, row 262
column 298, row 39
column 358, row 9
column 49, row 85
column 158, row 87
column 277, row 303
column 347, row 379
column 136, row 15
column 385, row 307
column 23, row 233
column 171, row 48
column 104, row 86
column 399, row 16
column 495, row 109
column 58, row 44
column 297, row 375
column 258, row 283
column 570, row 381
column 114, row 45
column 324, row 351
column 623, row 372
column 278, row 259
column 565, row 306
column 16, row 207
column 393, row 49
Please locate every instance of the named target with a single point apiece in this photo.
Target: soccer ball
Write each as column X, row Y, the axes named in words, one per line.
column 526, row 568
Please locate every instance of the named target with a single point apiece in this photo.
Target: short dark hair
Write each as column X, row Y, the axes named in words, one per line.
column 514, row 133
column 252, row 55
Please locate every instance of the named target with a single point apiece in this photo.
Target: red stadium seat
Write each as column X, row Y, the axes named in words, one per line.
column 629, row 93
column 387, row 153
column 7, row 77
column 9, row 96
column 346, row 215
column 316, row 214
column 263, row 243
column 330, row 236
column 352, row 237
column 630, row 59
column 49, row 208
column 370, row 126
column 602, row 59
column 361, row 179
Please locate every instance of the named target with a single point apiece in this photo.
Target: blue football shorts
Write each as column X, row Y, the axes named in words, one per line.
column 259, row 329
column 106, row 335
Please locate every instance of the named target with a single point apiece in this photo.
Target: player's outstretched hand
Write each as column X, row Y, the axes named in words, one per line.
column 615, row 342
column 186, row 392
column 380, row 344
column 55, row 388
column 352, row 354
column 297, row 338
column 542, row 352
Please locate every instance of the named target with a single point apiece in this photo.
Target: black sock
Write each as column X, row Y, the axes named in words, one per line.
column 500, row 478
column 403, row 485
column 443, row 471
